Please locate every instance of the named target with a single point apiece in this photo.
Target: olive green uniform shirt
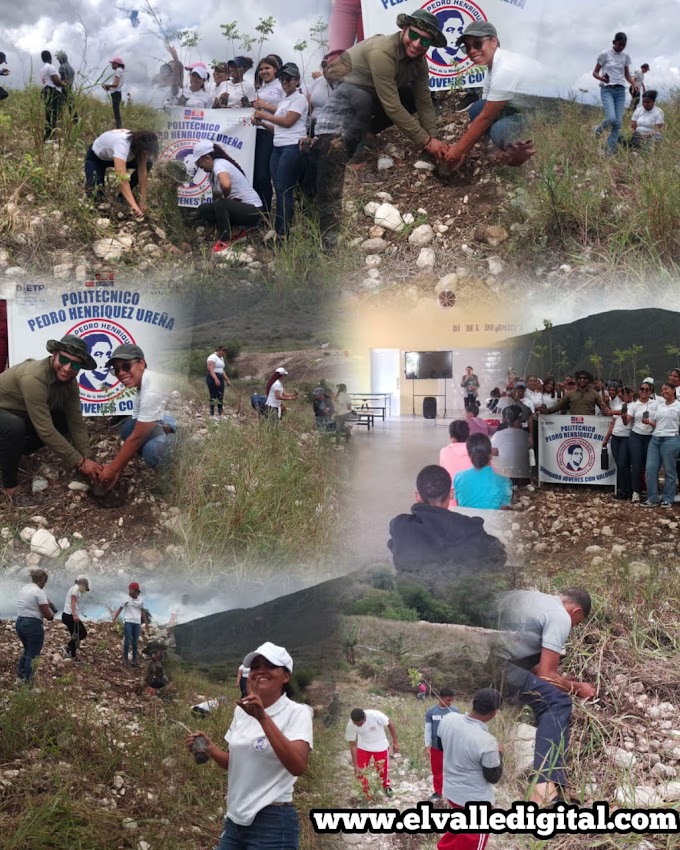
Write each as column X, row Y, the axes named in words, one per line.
column 32, row 388
column 580, row 403
column 380, row 64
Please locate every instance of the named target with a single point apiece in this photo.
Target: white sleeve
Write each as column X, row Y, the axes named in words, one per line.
column 351, row 732
column 238, row 712
column 299, row 726
column 121, row 147
column 504, row 83
column 41, row 596
column 151, row 403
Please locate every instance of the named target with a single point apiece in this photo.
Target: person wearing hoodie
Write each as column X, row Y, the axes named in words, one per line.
column 435, row 546
column 67, row 75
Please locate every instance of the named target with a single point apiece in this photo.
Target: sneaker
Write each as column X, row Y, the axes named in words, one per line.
column 598, row 131
column 435, row 797
column 236, row 237
column 666, row 504
column 635, row 497
column 389, row 792
column 677, row 499
column 467, row 102
column 649, row 504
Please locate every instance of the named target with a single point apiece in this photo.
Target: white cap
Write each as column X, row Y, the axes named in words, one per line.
column 202, row 72
column 276, row 655
column 202, row 148
column 648, row 381
column 281, row 371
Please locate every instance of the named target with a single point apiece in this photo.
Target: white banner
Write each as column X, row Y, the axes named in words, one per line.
column 104, row 315
column 569, row 450
column 517, row 22
column 229, row 128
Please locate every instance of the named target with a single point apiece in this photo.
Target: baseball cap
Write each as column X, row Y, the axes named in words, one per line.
column 290, row 69
column 83, row 580
column 281, row 371
column 117, row 60
column 202, row 148
column 478, row 28
column 134, row 585
column 520, row 385
column 487, row 700
column 127, row 351
column 276, row 655
column 200, row 72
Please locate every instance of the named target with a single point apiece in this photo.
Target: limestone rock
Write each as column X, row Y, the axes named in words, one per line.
column 422, row 165
column 492, row 235
column 374, row 246
column 389, row 217
column 426, row 258
column 421, row 236
column 372, row 208
column 79, row 561
column 385, row 163
column 44, row 543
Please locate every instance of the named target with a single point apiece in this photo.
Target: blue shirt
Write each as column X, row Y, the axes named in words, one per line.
column 482, row 488
column 433, row 717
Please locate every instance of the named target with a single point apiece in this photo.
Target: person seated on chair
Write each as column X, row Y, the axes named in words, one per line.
column 481, row 486
column 322, row 402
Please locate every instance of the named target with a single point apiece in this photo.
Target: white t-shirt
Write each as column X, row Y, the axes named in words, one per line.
column 513, row 453
column 371, row 735
column 533, row 399
column 73, row 591
column 132, row 609
column 120, row 74
column 114, row 144
column 508, row 78
column 620, row 428
column 636, row 409
column 296, row 102
column 548, row 400
column 667, row 418
column 149, row 402
column 272, row 400
column 29, row 600
column 219, row 363
column 647, row 121
column 46, row 73
column 237, row 91
column 241, row 190
column 217, row 91
column 256, row 776
column 272, row 93
column 198, row 99
column 614, row 64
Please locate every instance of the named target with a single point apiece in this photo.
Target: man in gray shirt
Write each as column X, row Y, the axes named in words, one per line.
column 540, row 625
column 472, row 762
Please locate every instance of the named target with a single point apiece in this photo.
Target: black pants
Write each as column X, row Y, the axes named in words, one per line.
column 95, row 173
column 262, row 176
column 116, row 97
column 3, row 93
column 54, row 102
column 225, row 213
column 18, row 437
column 77, row 632
column 243, row 685
column 216, row 391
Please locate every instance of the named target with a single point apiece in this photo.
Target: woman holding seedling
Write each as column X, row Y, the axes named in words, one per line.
column 270, row 739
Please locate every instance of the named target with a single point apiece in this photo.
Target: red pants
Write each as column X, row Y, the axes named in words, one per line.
column 381, row 762
column 437, row 765
column 462, row 840
column 345, row 25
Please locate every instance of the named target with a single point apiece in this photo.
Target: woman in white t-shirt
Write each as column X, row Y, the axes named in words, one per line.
column 33, row 607
column 71, row 617
column 124, row 151
column 196, row 95
column 53, row 94
column 115, row 88
column 219, row 92
column 290, row 127
column 619, row 435
column 240, row 88
column 276, row 395
column 647, row 122
column 269, row 95
column 133, row 619
column 638, row 415
column 270, row 739
column 664, row 448
column 235, row 206
column 217, row 379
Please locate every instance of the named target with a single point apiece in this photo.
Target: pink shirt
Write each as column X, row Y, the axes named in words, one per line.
column 454, row 458
column 478, row 426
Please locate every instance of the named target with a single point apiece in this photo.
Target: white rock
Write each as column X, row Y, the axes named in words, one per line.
column 39, row 484
column 670, row 792
column 421, row 236
column 27, row 533
column 408, row 218
column 448, row 283
column 102, row 223
column 421, row 165
column 621, row 758
column 376, row 232
column 40, row 521
column 385, row 163
column 15, row 271
column 426, row 258
column 45, row 544
column 371, row 208
column 78, row 485
column 143, row 845
column 495, row 266
column 64, row 543
column 159, row 233
column 522, row 742
column 389, row 217
column 374, row 246
column 111, row 248
column 81, row 273
column 384, row 196
column 4, row 257
column 373, row 260
column 63, row 271
column 638, row 796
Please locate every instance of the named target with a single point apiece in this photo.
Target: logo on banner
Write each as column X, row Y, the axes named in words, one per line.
column 100, row 385
column 454, row 16
column 575, row 458
column 193, row 114
column 181, row 151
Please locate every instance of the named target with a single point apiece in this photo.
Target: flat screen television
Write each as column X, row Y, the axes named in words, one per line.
column 428, row 364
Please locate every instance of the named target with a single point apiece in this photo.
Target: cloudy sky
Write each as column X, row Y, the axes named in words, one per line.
column 91, row 31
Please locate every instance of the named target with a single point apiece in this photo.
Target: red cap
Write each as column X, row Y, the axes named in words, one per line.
column 133, row 585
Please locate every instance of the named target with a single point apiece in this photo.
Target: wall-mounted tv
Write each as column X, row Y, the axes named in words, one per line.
column 428, row 364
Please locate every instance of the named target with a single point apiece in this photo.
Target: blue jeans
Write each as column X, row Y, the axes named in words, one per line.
column 285, row 166
column 638, row 444
column 552, row 710
column 157, row 446
column 509, row 127
column 131, row 632
column 614, row 102
column 32, row 636
column 621, row 454
column 662, row 451
column 262, row 174
column 274, row 828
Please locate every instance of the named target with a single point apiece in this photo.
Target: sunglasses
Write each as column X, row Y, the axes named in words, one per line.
column 645, row 390
column 467, row 46
column 125, row 366
column 66, row 361
column 425, row 42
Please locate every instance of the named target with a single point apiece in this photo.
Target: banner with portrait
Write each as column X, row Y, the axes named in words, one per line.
column 184, row 127
column 570, row 450
column 103, row 314
column 517, row 23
